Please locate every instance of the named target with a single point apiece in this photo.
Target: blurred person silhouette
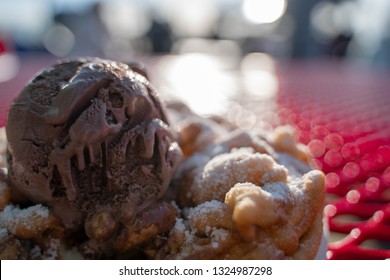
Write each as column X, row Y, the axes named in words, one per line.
column 160, row 35
column 304, row 43
column 322, row 27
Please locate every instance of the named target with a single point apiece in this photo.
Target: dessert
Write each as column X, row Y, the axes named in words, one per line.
column 89, row 138
column 98, row 167
column 244, row 195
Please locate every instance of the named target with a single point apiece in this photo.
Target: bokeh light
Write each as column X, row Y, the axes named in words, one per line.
column 334, row 141
column 125, row 19
column 333, row 158
column 350, row 151
column 259, row 78
column 332, row 180
column 198, row 81
column 316, row 147
column 372, row 184
column 9, row 66
column 353, row 196
column 59, row 40
column 351, row 170
column 263, row 11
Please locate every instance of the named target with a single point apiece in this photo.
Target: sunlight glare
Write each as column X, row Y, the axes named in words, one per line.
column 199, row 81
column 263, row 11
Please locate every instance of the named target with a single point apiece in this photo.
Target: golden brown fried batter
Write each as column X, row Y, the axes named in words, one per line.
column 247, row 197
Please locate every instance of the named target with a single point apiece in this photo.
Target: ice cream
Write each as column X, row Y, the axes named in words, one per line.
column 90, row 139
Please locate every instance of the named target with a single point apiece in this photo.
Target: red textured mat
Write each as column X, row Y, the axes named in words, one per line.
column 343, row 115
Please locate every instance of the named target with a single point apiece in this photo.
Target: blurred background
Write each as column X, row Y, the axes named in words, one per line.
column 207, row 35
column 351, row 29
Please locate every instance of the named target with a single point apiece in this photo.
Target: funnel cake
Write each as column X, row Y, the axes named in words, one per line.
column 246, row 196
column 91, row 167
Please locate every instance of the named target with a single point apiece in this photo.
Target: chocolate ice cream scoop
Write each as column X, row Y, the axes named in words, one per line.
column 90, row 138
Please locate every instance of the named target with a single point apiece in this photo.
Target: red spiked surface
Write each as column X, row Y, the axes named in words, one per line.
column 343, row 115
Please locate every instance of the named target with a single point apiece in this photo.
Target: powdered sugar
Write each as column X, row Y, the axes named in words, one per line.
column 205, row 208
column 222, row 172
column 208, row 210
column 243, row 163
column 219, row 234
column 12, row 216
column 51, row 253
column 278, row 190
column 179, row 225
column 3, row 232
